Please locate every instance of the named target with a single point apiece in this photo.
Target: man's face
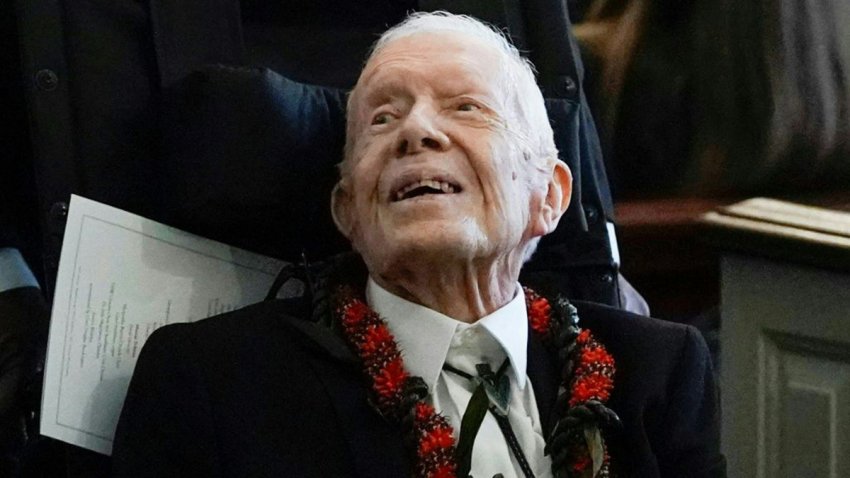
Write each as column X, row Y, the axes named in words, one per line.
column 432, row 171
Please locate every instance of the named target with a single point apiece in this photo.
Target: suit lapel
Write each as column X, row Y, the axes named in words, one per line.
column 376, row 445
column 543, row 373
column 322, row 338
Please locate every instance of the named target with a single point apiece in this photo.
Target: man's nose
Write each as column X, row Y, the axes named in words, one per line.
column 420, row 132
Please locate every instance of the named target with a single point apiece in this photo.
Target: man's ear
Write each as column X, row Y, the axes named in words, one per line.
column 557, row 198
column 341, row 207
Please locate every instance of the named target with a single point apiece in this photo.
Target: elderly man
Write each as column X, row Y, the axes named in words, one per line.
column 421, row 354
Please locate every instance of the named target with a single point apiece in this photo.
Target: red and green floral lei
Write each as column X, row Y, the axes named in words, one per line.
column 589, row 377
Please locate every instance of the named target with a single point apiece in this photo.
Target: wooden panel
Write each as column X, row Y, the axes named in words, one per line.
column 785, row 369
column 785, row 231
column 805, row 396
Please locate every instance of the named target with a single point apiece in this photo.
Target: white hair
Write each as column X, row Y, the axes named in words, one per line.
column 526, row 119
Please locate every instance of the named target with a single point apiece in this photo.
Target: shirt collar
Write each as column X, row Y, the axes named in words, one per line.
column 424, row 335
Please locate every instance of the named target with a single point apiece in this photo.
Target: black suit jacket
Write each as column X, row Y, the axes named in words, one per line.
column 261, row 392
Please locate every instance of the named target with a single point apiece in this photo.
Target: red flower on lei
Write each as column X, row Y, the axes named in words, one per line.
column 594, row 373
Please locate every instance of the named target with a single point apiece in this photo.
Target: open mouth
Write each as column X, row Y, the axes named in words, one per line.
column 424, row 187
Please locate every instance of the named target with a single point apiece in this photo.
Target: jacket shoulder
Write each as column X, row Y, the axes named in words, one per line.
column 263, row 327
column 632, row 332
column 651, row 354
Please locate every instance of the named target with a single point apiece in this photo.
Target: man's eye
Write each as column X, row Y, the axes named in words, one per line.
column 382, row 118
column 468, row 107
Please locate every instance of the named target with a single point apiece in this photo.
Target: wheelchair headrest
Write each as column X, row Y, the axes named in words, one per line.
column 250, row 159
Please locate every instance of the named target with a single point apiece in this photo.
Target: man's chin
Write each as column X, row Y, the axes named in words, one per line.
column 428, row 245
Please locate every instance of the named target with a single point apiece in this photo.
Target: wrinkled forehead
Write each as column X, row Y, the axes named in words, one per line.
column 463, row 60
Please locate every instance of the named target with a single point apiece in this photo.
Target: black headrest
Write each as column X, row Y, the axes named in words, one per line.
column 250, row 159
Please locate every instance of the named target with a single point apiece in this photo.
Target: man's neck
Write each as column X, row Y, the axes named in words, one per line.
column 465, row 293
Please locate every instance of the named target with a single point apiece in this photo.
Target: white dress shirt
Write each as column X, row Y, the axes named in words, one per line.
column 428, row 339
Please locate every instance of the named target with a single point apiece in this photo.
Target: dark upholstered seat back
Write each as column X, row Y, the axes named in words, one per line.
column 141, row 115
